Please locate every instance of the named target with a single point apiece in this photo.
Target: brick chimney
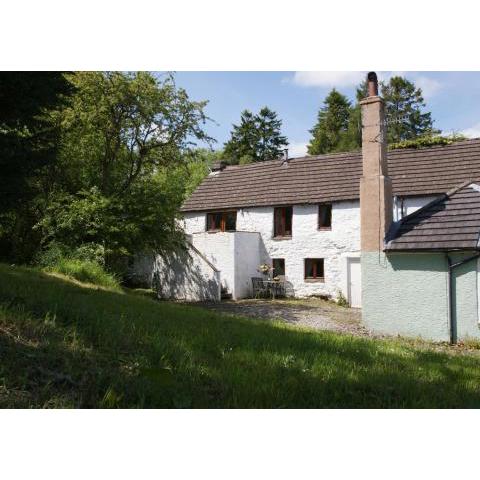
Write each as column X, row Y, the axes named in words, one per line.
column 376, row 211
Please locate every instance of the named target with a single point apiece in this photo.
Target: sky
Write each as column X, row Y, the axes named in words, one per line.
column 452, row 97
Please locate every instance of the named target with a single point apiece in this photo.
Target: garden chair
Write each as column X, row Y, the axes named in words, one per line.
column 259, row 288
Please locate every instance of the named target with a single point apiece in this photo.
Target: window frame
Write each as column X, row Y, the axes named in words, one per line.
column 282, row 234
column 223, row 221
column 315, row 277
column 319, row 225
column 273, row 266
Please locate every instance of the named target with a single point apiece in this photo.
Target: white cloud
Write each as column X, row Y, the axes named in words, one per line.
column 297, row 149
column 472, row 132
column 328, row 79
column 428, row 85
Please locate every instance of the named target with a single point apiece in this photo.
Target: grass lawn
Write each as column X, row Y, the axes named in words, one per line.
column 67, row 344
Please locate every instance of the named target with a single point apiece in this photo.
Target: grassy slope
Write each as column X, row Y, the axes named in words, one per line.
column 64, row 344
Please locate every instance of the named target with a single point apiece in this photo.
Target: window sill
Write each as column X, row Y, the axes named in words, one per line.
column 325, row 229
column 314, row 280
column 286, row 237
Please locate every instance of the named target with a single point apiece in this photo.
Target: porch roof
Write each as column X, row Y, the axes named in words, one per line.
column 451, row 222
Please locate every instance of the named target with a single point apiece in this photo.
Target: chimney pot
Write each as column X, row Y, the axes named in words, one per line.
column 218, row 166
column 372, row 83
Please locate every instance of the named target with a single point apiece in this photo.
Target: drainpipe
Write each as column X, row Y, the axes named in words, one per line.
column 452, row 321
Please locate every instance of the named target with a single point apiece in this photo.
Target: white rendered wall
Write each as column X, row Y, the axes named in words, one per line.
column 247, row 260
column 306, row 242
column 410, row 205
column 335, row 245
column 235, row 254
column 218, row 248
column 179, row 276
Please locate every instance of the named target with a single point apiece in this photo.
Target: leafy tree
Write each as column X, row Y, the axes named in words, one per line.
column 404, row 105
column 27, row 145
column 123, row 135
column 257, row 138
column 332, row 132
column 196, row 166
column 118, row 127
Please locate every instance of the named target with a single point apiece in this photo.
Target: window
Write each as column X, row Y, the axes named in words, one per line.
column 282, row 222
column 314, row 269
column 278, row 265
column 222, row 221
column 325, row 217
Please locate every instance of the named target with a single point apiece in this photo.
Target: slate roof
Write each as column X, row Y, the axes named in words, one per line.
column 448, row 223
column 335, row 177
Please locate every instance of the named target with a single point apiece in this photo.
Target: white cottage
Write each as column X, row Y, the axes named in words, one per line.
column 300, row 215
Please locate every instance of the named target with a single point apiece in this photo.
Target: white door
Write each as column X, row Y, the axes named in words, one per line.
column 354, row 283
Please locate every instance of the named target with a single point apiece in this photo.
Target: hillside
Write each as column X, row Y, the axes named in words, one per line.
column 67, row 344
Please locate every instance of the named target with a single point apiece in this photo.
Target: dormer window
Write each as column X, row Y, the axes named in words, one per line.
column 282, row 222
column 222, row 221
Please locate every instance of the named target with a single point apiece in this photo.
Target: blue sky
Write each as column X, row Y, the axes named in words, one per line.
column 452, row 97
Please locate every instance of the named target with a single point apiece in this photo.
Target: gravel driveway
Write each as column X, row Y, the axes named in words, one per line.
column 312, row 313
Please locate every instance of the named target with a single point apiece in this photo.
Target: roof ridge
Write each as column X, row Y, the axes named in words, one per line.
column 354, row 153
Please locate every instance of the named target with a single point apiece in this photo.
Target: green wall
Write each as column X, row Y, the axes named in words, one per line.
column 407, row 294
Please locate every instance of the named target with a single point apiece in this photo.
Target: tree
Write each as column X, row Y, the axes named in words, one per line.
column 27, row 146
column 123, row 135
column 257, row 138
column 270, row 143
column 196, row 166
column 331, row 132
column 404, row 105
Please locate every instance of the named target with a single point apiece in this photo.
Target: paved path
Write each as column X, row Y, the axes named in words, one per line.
column 313, row 313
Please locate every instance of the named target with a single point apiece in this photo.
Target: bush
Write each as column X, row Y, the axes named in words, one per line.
column 341, row 300
column 85, row 263
column 85, row 271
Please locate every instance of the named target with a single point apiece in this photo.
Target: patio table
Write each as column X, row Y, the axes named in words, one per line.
column 275, row 286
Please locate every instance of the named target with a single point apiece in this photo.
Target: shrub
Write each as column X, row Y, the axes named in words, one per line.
column 341, row 300
column 85, row 271
column 85, row 263
column 427, row 141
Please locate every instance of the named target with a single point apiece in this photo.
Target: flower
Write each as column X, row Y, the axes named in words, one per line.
column 264, row 268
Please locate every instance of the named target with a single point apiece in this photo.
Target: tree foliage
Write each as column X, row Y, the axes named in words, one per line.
column 257, row 138
column 339, row 124
column 27, row 146
column 117, row 143
column 120, row 133
column 427, row 141
column 404, row 110
column 334, row 131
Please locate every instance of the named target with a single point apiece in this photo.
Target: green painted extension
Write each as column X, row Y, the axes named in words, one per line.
column 407, row 294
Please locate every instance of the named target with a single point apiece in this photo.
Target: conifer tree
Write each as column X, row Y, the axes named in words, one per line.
column 257, row 138
column 404, row 105
column 331, row 132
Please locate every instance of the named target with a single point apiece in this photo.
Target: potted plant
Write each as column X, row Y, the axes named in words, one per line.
column 265, row 269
